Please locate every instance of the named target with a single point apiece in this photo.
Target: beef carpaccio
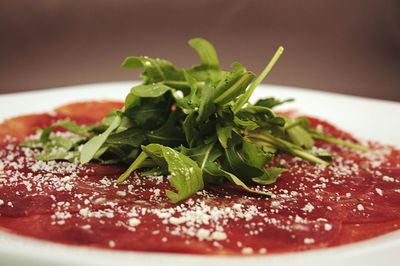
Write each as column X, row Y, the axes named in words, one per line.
column 355, row 198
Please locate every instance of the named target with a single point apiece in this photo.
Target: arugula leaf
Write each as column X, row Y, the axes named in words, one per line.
column 155, row 70
column 203, row 154
column 206, row 52
column 66, row 124
column 271, row 174
column 298, row 135
column 132, row 136
column 238, row 166
column 224, row 133
column 234, row 90
column 151, row 113
column 189, row 128
column 90, row 148
column 170, row 134
column 207, row 107
column 150, row 90
column 272, row 102
column 186, row 176
column 214, row 170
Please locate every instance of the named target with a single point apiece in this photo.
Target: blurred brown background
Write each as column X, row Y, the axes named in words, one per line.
column 350, row 47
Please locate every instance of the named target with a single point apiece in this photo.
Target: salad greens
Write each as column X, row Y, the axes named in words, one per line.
column 195, row 124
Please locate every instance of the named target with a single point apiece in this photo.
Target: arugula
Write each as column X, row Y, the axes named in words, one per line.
column 194, row 124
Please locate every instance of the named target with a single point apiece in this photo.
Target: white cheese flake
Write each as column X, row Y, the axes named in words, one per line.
column 219, row 236
column 388, row 178
column 121, row 193
column 133, row 222
column 308, row 207
column 111, row 244
column 247, row 251
column 327, row 227
column 309, row 241
column 379, row 191
column 203, row 234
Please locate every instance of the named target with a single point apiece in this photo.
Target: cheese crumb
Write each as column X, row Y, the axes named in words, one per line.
column 203, row 234
column 309, row 241
column 308, row 208
column 218, row 235
column 387, row 178
column 262, row 251
column 84, row 212
column 275, row 204
column 133, row 222
column 327, row 227
column 247, row 251
column 68, row 187
column 379, row 191
column 111, row 244
column 121, row 193
column 360, row 207
column 176, row 221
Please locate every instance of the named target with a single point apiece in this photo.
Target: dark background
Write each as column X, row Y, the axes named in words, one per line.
column 350, row 47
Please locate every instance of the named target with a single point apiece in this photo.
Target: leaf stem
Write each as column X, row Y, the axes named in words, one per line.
column 180, row 83
column 334, row 140
column 245, row 97
column 285, row 146
column 135, row 165
column 237, row 85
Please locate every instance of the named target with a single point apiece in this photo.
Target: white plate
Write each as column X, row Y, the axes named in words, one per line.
column 365, row 118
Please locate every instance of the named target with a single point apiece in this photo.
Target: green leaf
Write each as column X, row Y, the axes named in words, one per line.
column 272, row 102
column 207, row 107
column 73, row 127
column 214, row 170
column 203, row 154
column 247, row 124
column 151, row 113
column 67, row 124
column 299, row 136
column 186, row 176
column 206, row 51
column 44, row 137
column 323, row 154
column 224, row 133
column 189, row 128
column 170, row 134
column 131, row 101
column 93, row 145
column 237, row 165
column 132, row 136
column 155, row 69
column 234, row 90
column 254, row 155
column 271, row 174
column 150, row 90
